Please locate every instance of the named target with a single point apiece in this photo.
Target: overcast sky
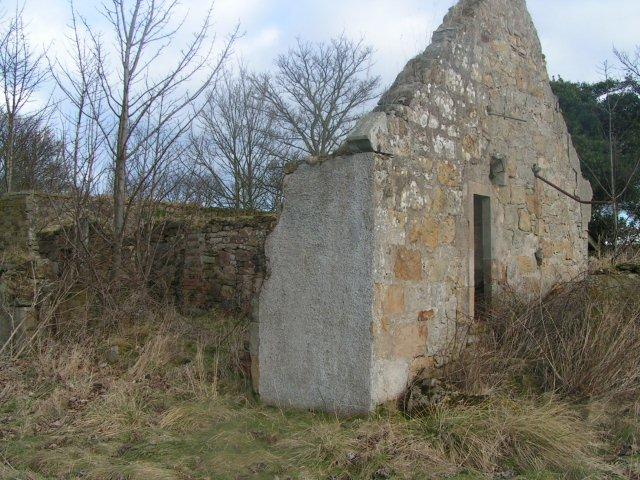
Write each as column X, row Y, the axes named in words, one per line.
column 576, row 35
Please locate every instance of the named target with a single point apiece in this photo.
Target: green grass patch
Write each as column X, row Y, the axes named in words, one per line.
column 176, row 404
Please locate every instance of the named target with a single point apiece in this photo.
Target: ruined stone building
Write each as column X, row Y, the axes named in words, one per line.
column 382, row 252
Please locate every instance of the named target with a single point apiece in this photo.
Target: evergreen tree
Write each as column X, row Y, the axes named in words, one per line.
column 604, row 121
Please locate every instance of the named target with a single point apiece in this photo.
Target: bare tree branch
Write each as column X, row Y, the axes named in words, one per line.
column 318, row 92
column 143, row 106
column 21, row 74
column 239, row 150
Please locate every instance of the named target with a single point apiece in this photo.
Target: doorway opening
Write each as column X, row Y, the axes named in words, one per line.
column 481, row 253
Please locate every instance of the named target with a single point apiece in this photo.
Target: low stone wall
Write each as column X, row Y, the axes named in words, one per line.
column 24, row 272
column 16, row 221
column 220, row 263
column 204, row 260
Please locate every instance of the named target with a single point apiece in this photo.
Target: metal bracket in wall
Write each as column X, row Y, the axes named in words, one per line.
column 536, row 172
column 505, row 115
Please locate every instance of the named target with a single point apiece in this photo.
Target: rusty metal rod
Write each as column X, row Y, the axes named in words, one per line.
column 536, row 172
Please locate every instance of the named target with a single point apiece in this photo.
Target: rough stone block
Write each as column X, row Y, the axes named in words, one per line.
column 448, row 175
column 524, row 221
column 425, row 233
column 367, row 135
column 408, row 264
column 393, row 301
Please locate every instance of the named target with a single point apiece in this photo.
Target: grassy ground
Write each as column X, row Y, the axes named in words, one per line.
column 165, row 397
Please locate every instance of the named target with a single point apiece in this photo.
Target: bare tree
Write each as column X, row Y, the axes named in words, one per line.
column 630, row 63
column 609, row 106
column 36, row 154
column 76, row 75
column 143, row 31
column 317, row 92
column 22, row 74
column 238, row 146
column 78, row 80
column 150, row 180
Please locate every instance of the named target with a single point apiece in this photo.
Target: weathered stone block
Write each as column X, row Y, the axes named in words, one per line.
column 526, row 265
column 448, row 175
column 367, row 135
column 393, row 301
column 408, row 264
column 402, row 341
column 447, row 231
column 426, row 316
column 425, row 233
column 524, row 221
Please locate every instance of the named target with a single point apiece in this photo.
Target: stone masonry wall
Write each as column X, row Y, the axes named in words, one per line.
column 220, row 263
column 205, row 261
column 477, row 98
column 24, row 273
column 18, row 219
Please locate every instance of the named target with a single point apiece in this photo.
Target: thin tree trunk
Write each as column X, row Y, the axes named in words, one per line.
column 613, row 184
column 9, row 153
column 119, row 188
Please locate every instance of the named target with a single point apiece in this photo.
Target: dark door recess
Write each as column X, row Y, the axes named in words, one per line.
column 481, row 252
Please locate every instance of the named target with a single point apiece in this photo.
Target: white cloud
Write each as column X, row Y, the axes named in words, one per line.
column 397, row 30
column 235, row 11
column 576, row 34
column 257, row 50
column 46, row 30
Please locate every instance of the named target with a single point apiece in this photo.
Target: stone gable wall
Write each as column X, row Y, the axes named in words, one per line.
column 479, row 95
column 471, row 115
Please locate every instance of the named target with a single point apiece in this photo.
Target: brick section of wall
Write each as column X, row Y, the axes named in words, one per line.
column 221, row 263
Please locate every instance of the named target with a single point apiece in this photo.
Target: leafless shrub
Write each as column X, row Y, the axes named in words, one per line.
column 630, row 62
column 37, row 162
column 140, row 116
column 22, row 73
column 30, row 322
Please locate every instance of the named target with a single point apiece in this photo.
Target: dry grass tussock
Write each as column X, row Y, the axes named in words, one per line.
column 159, row 396
column 582, row 342
column 529, row 434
